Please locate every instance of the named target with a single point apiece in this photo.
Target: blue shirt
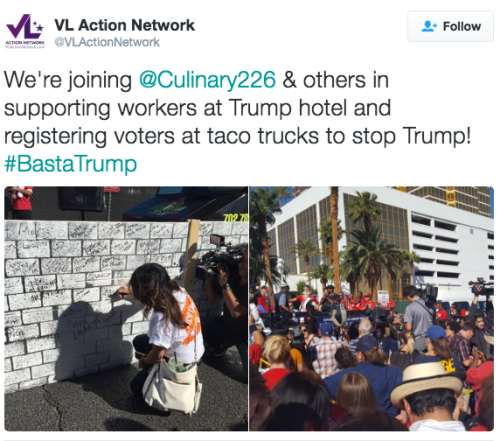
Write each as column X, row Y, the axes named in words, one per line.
column 452, row 366
column 383, row 379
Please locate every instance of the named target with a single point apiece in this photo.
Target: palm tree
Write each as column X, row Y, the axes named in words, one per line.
column 375, row 256
column 400, row 260
column 283, row 193
column 413, row 257
column 349, row 267
column 263, row 207
column 323, row 273
column 325, row 233
column 334, row 210
column 258, row 268
column 306, row 248
column 364, row 207
column 325, row 230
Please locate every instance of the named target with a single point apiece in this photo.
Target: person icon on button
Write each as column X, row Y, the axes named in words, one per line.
column 428, row 27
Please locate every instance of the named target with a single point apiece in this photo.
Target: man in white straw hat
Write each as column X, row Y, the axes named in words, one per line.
column 428, row 395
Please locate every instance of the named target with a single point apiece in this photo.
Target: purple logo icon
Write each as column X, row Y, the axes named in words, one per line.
column 25, row 23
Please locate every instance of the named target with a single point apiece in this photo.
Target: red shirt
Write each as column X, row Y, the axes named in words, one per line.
column 273, row 376
column 24, row 203
column 370, row 304
column 301, row 299
column 359, row 304
column 476, row 377
column 441, row 314
column 390, row 305
column 262, row 301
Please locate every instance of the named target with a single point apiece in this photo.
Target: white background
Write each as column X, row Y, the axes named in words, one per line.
column 434, row 86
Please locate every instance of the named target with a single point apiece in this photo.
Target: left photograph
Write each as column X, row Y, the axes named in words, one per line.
column 126, row 308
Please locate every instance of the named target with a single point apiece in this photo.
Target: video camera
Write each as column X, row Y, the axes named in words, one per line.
column 429, row 293
column 224, row 254
column 479, row 287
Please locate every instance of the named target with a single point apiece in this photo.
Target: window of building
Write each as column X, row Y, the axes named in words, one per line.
column 446, row 239
column 448, row 275
column 420, row 234
column 446, row 262
column 444, row 225
column 307, row 228
column 491, row 247
column 492, row 267
column 425, row 260
column 424, row 273
column 446, row 251
column 286, row 238
column 491, row 236
column 422, row 247
column 420, row 220
column 491, row 257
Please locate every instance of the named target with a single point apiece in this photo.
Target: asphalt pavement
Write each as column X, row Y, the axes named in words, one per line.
column 103, row 401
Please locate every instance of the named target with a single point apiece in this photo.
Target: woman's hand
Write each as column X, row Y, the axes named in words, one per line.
column 123, row 291
column 223, row 275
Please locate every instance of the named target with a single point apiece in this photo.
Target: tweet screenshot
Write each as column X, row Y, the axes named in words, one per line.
column 222, row 283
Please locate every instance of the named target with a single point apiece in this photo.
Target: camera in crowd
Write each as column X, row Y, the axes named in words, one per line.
column 225, row 254
column 429, row 293
column 479, row 287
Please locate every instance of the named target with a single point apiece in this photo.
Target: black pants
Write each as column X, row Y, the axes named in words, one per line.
column 21, row 215
column 142, row 345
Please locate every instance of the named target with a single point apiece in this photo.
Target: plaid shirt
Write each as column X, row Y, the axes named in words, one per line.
column 461, row 348
column 323, row 354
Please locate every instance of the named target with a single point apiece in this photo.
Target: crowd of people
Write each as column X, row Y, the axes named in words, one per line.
column 420, row 371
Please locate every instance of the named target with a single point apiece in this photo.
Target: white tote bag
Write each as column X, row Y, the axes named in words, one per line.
column 167, row 390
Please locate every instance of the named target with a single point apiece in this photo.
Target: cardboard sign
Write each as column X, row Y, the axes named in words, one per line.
column 383, row 298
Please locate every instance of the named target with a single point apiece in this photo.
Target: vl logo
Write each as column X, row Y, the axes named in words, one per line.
column 25, row 23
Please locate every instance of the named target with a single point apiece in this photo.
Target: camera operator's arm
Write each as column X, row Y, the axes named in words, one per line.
column 212, row 295
column 473, row 307
column 235, row 307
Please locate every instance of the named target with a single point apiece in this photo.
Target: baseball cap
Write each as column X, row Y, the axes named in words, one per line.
column 368, row 294
column 434, row 332
column 366, row 343
column 326, row 328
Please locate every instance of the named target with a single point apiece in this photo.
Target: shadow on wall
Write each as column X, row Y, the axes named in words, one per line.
column 91, row 341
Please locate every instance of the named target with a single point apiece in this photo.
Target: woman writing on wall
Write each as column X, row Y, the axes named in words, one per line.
column 174, row 322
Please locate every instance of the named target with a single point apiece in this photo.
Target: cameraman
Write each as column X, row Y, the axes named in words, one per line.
column 483, row 325
column 231, row 329
column 418, row 318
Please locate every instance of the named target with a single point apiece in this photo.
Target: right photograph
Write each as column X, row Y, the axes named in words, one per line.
column 371, row 308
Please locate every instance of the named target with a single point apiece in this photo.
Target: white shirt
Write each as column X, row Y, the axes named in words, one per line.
column 176, row 340
column 437, row 426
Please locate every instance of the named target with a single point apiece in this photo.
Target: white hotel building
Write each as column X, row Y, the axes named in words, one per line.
column 455, row 246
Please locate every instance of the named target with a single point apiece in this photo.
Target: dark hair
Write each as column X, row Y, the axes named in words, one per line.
column 410, row 291
column 152, row 287
column 353, row 331
column 441, row 348
column 259, row 392
column 467, row 326
column 453, row 325
column 377, row 421
column 486, row 410
column 299, row 398
column 426, row 401
column 305, row 326
column 355, row 394
column 375, row 356
column 345, row 358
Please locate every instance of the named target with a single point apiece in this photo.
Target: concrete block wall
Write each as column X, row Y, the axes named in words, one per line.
column 59, row 320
